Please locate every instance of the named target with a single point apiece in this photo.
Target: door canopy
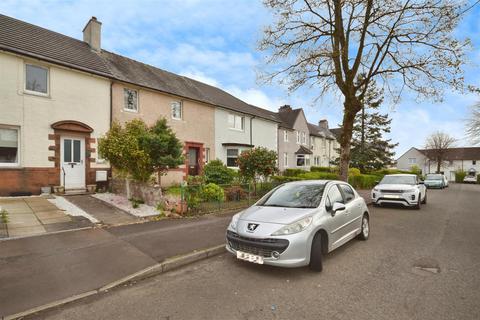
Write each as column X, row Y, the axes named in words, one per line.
column 72, row 125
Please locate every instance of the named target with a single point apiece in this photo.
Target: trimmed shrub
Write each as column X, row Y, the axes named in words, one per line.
column 292, row 172
column 478, row 178
column 212, row 192
column 216, row 172
column 353, row 172
column 283, row 179
column 363, row 181
column 459, row 176
column 322, row 169
column 318, row 176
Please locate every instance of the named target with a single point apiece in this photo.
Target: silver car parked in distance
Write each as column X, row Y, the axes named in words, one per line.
column 297, row 223
column 404, row 189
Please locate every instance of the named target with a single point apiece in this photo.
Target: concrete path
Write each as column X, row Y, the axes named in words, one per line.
column 39, row 270
column 101, row 210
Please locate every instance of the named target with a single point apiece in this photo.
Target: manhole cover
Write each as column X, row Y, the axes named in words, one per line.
column 427, row 265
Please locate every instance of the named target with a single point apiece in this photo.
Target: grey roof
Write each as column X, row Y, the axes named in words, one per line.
column 337, row 132
column 465, row 153
column 318, row 131
column 288, row 117
column 303, row 150
column 27, row 39
column 135, row 72
column 30, row 40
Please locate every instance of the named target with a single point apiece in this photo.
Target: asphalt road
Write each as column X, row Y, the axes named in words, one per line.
column 376, row 279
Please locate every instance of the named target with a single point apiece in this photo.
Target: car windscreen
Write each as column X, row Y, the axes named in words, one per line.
column 398, row 180
column 433, row 177
column 294, row 196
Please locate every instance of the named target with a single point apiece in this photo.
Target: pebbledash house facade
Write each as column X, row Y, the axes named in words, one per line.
column 60, row 95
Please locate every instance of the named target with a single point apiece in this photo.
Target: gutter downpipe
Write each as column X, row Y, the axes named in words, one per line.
column 111, row 103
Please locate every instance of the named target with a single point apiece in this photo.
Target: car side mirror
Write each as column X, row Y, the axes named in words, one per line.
column 421, row 182
column 337, row 206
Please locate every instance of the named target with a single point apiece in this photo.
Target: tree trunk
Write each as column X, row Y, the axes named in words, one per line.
column 439, row 164
column 346, row 140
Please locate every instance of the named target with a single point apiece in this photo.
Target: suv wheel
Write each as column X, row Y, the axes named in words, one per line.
column 417, row 206
column 316, row 261
column 365, row 233
column 425, row 199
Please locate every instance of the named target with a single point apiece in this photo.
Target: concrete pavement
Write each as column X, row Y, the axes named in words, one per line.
column 40, row 270
column 416, row 265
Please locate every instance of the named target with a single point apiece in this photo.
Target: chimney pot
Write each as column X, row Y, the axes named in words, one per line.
column 285, row 108
column 92, row 34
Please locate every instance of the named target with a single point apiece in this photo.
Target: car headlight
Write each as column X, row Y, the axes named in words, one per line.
column 410, row 190
column 295, row 227
column 376, row 189
column 233, row 223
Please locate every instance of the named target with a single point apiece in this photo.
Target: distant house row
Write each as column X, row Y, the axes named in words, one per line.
column 59, row 95
column 465, row 159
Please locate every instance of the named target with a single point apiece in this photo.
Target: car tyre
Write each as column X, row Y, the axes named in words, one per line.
column 316, row 255
column 365, row 232
column 419, row 202
column 425, row 199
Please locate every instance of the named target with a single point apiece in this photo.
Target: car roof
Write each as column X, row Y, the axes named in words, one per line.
column 401, row 175
column 323, row 181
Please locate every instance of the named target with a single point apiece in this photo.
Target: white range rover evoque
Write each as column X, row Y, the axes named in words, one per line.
column 405, row 189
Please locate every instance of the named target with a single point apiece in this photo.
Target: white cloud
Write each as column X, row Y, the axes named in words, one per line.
column 257, row 98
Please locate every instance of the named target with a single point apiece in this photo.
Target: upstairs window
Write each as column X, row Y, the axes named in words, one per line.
column 130, row 100
column 298, row 137
column 236, row 122
column 474, row 162
column 177, row 110
column 285, row 159
column 36, row 79
column 232, row 156
column 8, row 146
column 304, row 138
column 207, row 155
column 412, row 160
column 285, row 135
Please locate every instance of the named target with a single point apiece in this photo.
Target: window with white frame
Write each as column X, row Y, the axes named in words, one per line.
column 307, row 160
column 474, row 162
column 236, row 122
column 304, row 138
column 324, row 144
column 285, row 135
column 298, row 136
column 412, row 160
column 232, row 156
column 316, row 161
column 36, row 79
column 177, row 110
column 285, row 159
column 9, row 146
column 130, row 99
column 207, row 155
column 300, row 160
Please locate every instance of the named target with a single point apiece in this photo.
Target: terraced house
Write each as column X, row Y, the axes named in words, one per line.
column 59, row 95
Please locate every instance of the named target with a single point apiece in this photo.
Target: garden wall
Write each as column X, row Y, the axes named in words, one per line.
column 151, row 195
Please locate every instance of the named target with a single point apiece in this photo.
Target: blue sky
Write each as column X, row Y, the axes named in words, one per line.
column 215, row 41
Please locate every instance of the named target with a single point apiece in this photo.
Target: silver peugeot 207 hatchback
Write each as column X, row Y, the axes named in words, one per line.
column 297, row 223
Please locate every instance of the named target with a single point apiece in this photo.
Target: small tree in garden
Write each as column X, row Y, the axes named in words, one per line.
column 120, row 146
column 257, row 163
column 163, row 147
column 138, row 151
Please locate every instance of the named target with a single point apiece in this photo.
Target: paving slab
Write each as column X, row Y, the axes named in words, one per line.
column 25, row 231
column 50, row 214
column 55, row 220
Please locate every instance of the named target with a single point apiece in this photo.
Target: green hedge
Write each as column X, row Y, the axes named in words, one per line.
column 478, row 178
column 459, row 176
column 292, row 172
column 318, row 176
column 364, row 181
column 323, row 169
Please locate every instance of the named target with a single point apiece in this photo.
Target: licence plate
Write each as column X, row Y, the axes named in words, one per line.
column 249, row 257
column 391, row 196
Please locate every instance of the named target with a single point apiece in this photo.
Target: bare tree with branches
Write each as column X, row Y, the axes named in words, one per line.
column 473, row 124
column 326, row 44
column 436, row 147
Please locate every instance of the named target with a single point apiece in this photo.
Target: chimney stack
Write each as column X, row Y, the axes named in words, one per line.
column 323, row 124
column 92, row 34
column 285, row 108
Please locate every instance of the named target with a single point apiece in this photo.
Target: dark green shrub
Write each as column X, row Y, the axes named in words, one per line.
column 363, row 181
column 353, row 172
column 212, row 192
column 4, row 216
column 292, row 172
column 216, row 172
column 478, row 178
column 136, row 202
column 283, row 179
column 459, row 176
column 318, row 176
column 322, row 169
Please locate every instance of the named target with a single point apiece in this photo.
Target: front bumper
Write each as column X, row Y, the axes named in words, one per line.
column 407, row 199
column 293, row 250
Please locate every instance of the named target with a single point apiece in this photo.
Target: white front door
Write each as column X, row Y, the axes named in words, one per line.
column 72, row 171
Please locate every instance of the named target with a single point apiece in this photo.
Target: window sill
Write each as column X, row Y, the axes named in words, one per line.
column 131, row 111
column 37, row 94
column 238, row 130
column 10, row 167
column 177, row 119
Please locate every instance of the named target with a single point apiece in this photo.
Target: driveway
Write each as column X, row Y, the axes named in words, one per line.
column 29, row 216
column 417, row 265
